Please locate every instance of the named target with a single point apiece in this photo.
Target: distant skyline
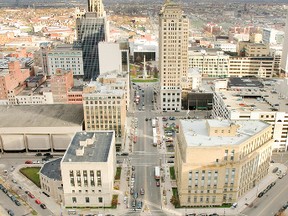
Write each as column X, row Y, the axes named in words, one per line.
column 147, row 1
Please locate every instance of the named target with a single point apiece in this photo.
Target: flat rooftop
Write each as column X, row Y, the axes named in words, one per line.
column 97, row 151
column 252, row 97
column 52, row 169
column 196, row 131
column 48, row 115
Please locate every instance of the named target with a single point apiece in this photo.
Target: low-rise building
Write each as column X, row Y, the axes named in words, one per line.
column 244, row 98
column 218, row 161
column 88, row 169
column 39, row 127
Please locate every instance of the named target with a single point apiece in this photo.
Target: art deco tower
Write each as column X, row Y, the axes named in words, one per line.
column 91, row 29
column 173, row 54
column 97, row 7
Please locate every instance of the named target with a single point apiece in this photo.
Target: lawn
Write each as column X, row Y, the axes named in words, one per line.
column 32, row 173
column 118, row 173
column 144, row 80
column 172, row 173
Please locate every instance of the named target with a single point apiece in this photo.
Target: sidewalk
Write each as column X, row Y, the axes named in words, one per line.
column 26, row 184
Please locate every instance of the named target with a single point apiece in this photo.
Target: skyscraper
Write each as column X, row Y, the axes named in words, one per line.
column 91, row 29
column 97, row 7
column 173, row 54
column 284, row 59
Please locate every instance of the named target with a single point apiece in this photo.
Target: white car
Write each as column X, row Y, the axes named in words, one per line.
column 125, row 199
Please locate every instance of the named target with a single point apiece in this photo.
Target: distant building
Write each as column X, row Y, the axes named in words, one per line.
column 61, row 82
column 210, row 62
column 66, row 58
column 272, row 36
column 88, row 169
column 173, row 54
column 12, row 79
column 219, row 161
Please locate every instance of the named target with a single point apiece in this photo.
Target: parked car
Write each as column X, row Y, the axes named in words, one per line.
column 172, row 118
column 142, row 191
column 134, row 203
column 37, row 201
column 164, row 119
column 260, row 194
column 30, row 194
column 10, row 212
column 47, row 154
column 157, row 183
column 17, row 203
column 38, row 154
column 135, row 195
column 139, row 205
column 43, row 206
column 28, row 162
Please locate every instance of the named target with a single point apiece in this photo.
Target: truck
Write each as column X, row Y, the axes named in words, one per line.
column 157, row 172
column 153, row 123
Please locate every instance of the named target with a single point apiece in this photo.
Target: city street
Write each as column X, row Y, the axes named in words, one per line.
column 271, row 202
column 145, row 157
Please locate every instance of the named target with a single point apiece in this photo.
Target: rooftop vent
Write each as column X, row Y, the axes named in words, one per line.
column 80, row 151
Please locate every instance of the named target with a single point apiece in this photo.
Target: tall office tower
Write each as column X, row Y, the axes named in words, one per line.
column 91, row 29
column 173, row 54
column 284, row 59
column 97, row 7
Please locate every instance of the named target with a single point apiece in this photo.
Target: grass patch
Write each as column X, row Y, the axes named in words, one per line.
column 114, row 201
column 144, row 80
column 172, row 173
column 118, row 173
column 32, row 173
column 175, row 198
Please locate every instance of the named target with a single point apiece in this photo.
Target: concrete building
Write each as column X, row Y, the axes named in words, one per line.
column 61, row 82
column 210, row 62
column 245, row 98
column 173, row 54
column 88, row 169
column 225, row 46
column 261, row 66
column 51, row 180
column 66, row 58
column 105, row 109
column 38, row 127
column 110, row 57
column 272, row 36
column 12, row 79
column 218, row 161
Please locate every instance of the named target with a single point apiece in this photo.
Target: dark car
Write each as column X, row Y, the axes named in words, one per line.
column 38, row 154
column 47, row 154
column 172, row 118
column 170, row 161
column 260, row 195
column 125, row 154
column 43, row 206
column 17, row 203
column 135, row 195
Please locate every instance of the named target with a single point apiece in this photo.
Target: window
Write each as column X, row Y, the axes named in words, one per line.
column 74, row 200
column 100, row 199
column 99, row 182
column 87, row 200
column 72, row 181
